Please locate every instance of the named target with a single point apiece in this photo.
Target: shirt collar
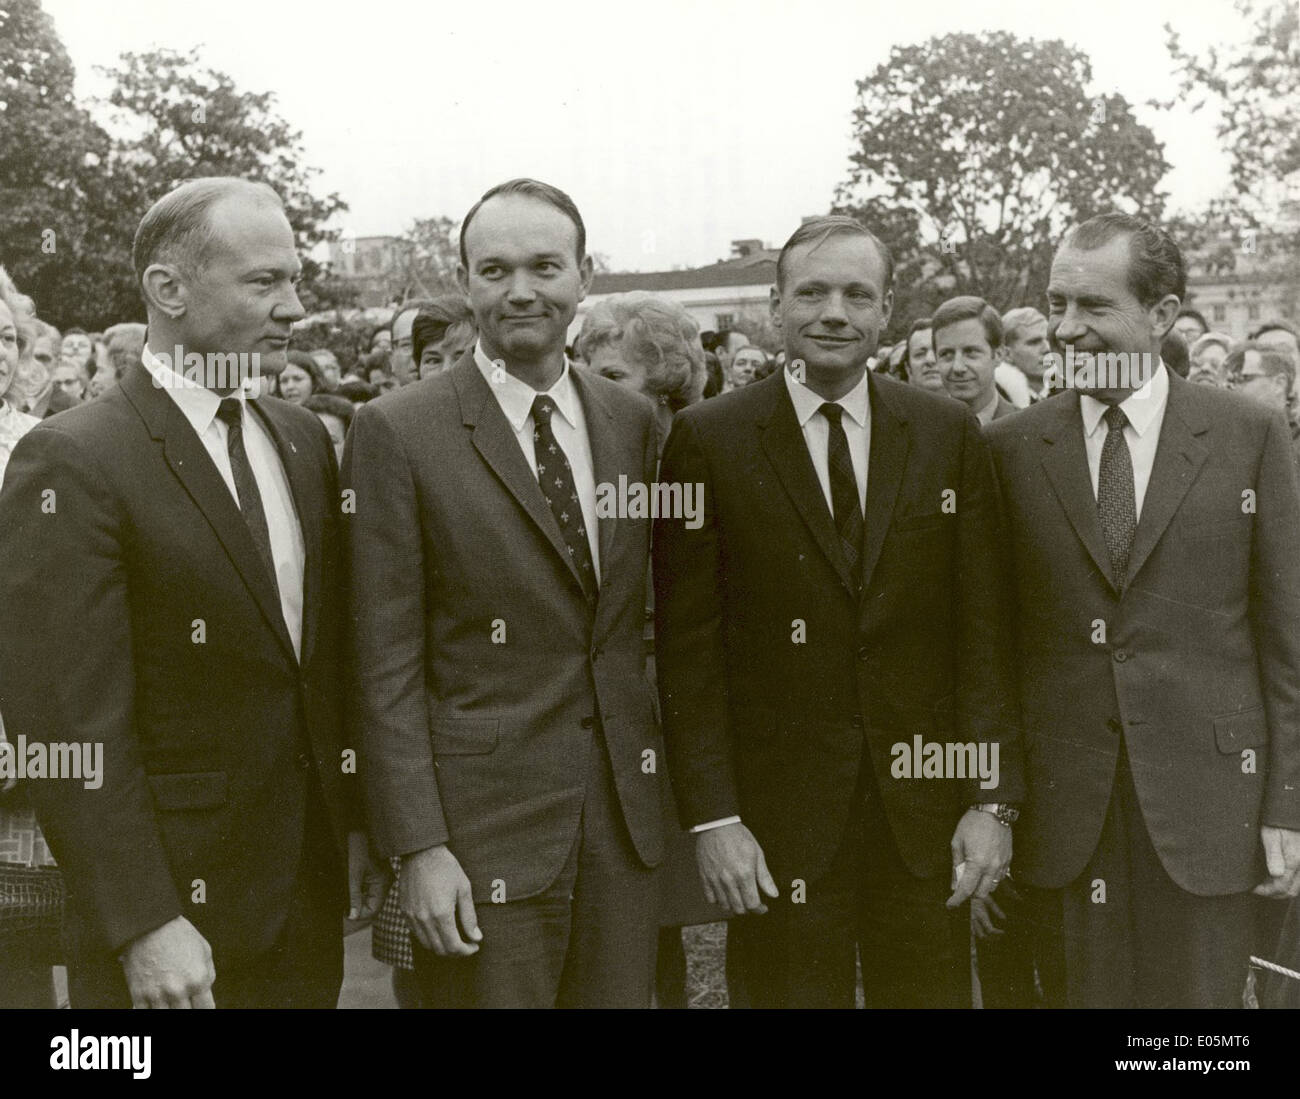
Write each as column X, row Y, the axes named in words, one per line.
column 516, row 397
column 1142, row 407
column 198, row 405
column 856, row 402
column 985, row 414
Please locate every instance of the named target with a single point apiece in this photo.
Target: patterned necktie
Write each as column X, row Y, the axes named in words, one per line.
column 844, row 489
column 1116, row 501
column 250, row 499
column 555, row 478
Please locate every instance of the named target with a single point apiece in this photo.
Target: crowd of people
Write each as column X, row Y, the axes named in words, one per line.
column 363, row 640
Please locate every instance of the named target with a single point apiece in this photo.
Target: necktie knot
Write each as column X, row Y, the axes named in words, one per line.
column 832, row 412
column 543, row 407
column 1115, row 418
column 228, row 411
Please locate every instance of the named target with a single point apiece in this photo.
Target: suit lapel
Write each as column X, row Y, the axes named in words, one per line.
column 610, row 456
column 194, row 468
column 890, row 442
column 783, row 441
column 303, row 478
column 1179, row 457
column 495, row 441
column 1065, row 460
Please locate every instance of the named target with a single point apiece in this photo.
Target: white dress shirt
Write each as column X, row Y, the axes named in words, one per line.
column 985, row 414
column 816, row 432
column 1145, row 409
column 288, row 549
column 570, row 427
column 816, row 436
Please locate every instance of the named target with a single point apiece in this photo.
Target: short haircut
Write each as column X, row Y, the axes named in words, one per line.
column 968, row 308
column 1196, row 315
column 657, row 334
column 530, row 188
column 177, row 228
column 1273, row 325
column 76, row 332
column 1209, row 340
column 1174, row 354
column 1015, row 321
column 833, row 225
column 332, row 405
column 1155, row 264
column 303, row 361
column 918, row 325
column 447, row 315
column 1271, row 361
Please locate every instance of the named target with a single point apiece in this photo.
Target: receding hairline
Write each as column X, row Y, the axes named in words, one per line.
column 821, row 235
column 523, row 196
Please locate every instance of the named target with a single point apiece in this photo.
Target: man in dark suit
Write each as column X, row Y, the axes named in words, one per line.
column 511, row 750
column 967, row 335
column 194, row 635
column 1153, row 527
column 836, row 612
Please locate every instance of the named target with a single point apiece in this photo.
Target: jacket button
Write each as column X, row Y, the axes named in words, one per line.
column 1115, row 725
column 1120, row 656
column 303, row 762
column 857, row 721
column 863, row 653
column 588, row 722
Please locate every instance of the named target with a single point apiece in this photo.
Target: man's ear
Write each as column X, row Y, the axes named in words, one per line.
column 586, row 272
column 774, row 306
column 164, row 289
column 462, row 279
column 886, row 308
column 1163, row 314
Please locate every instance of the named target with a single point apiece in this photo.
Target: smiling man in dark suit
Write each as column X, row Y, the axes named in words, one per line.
column 838, row 602
column 195, row 633
column 1153, row 528
column 511, row 749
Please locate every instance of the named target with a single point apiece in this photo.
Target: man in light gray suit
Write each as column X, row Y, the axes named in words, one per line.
column 510, row 747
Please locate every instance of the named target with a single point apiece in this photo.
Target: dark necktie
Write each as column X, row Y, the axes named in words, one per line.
column 1116, row 500
column 555, row 478
column 844, row 489
column 250, row 499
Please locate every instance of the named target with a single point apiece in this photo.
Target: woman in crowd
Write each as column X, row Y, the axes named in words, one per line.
column 441, row 333
column 335, row 413
column 649, row 344
column 300, row 378
column 23, row 982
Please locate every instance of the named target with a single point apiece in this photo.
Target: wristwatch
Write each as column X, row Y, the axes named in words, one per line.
column 1006, row 814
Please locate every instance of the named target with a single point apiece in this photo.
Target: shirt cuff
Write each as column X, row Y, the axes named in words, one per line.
column 707, row 825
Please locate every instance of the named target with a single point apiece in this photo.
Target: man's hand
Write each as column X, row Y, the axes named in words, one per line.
column 733, row 869
column 1282, row 855
column 170, row 966
column 365, row 879
column 981, row 853
column 432, row 893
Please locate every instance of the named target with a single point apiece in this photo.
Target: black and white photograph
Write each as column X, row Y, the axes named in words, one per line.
column 728, row 505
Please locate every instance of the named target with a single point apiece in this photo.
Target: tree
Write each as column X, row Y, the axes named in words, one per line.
column 65, row 219
column 179, row 120
column 1256, row 84
column 975, row 152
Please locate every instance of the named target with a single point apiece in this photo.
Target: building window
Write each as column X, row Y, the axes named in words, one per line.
column 724, row 321
column 1220, row 314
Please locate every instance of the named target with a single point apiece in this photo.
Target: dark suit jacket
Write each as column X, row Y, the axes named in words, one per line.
column 117, row 534
column 472, row 743
column 1201, row 655
column 1004, row 408
column 775, row 731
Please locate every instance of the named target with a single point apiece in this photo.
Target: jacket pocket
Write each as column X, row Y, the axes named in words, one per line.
column 192, row 790
column 1244, row 729
column 464, row 736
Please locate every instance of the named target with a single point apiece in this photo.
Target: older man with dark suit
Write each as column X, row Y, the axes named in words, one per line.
column 511, row 750
column 194, row 635
column 834, row 617
column 1153, row 528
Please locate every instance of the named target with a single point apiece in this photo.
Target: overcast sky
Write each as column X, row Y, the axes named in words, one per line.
column 676, row 125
